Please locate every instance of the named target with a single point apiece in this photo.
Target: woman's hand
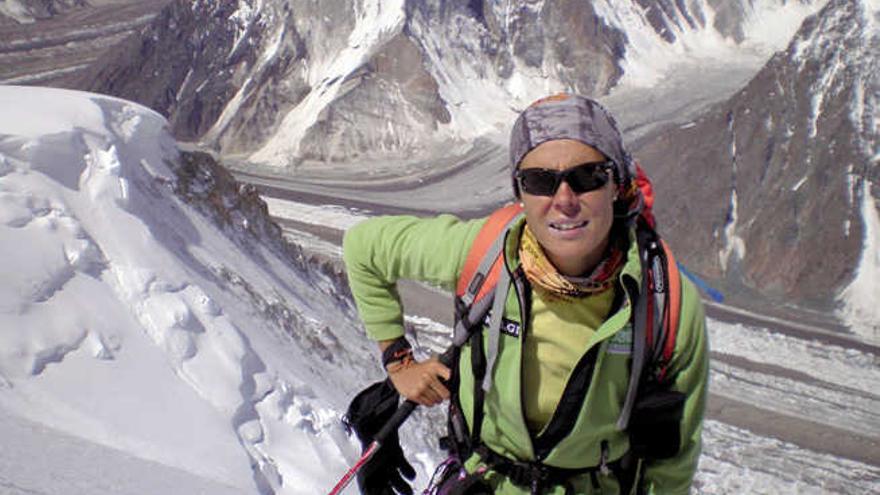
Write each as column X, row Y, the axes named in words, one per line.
column 420, row 381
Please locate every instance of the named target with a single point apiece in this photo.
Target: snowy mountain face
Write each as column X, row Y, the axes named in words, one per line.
column 148, row 304
column 287, row 81
column 202, row 52
column 783, row 177
column 329, row 88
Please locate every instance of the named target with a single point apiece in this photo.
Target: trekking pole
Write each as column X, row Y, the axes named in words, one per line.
column 403, row 412
column 393, row 424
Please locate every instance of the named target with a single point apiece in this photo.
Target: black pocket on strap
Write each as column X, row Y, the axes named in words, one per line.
column 655, row 424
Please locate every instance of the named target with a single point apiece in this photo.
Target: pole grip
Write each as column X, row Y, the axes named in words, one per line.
column 396, row 420
column 408, row 406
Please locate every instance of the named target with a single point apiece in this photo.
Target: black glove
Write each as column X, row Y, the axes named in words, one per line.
column 368, row 412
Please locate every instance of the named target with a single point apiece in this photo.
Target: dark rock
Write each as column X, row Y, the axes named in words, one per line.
column 193, row 60
column 227, row 76
column 394, row 103
column 789, row 150
column 588, row 50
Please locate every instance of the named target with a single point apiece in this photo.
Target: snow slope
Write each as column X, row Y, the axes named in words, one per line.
column 79, row 467
column 691, row 34
column 132, row 320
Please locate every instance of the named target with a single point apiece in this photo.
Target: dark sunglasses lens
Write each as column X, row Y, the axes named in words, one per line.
column 586, row 178
column 538, row 182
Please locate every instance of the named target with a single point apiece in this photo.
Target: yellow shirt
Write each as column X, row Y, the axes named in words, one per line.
column 557, row 338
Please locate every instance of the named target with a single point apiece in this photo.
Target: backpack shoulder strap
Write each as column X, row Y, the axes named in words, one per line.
column 655, row 317
column 481, row 270
column 485, row 245
column 478, row 279
column 667, row 327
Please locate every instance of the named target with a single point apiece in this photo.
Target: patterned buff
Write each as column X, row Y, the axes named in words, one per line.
column 541, row 272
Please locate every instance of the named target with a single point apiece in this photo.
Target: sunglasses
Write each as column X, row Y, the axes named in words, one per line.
column 581, row 178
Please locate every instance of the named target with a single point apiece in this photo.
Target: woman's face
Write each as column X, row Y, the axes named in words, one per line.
column 572, row 228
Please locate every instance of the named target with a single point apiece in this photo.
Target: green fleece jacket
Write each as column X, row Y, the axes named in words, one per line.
column 380, row 251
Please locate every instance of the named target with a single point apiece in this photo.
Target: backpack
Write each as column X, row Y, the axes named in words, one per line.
column 651, row 411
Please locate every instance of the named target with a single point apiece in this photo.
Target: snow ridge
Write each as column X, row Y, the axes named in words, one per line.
column 127, row 286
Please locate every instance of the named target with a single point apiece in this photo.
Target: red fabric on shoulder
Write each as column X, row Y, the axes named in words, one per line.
column 644, row 184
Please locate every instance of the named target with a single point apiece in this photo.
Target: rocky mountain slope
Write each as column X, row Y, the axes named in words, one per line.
column 46, row 42
column 289, row 81
column 766, row 190
column 772, row 173
column 27, row 11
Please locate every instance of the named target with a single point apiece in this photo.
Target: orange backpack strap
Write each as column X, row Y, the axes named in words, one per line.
column 664, row 283
column 479, row 276
column 656, row 314
column 673, row 308
column 496, row 225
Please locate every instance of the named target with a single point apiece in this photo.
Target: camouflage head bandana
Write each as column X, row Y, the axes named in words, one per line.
column 565, row 116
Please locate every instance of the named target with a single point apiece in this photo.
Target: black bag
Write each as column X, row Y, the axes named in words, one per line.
column 655, row 424
column 387, row 471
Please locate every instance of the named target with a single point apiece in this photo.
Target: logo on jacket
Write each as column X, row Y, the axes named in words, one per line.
column 508, row 327
column 622, row 341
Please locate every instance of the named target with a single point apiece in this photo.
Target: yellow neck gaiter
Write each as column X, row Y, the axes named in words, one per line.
column 543, row 274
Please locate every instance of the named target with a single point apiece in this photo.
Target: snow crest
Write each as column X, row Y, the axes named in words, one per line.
column 187, row 344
